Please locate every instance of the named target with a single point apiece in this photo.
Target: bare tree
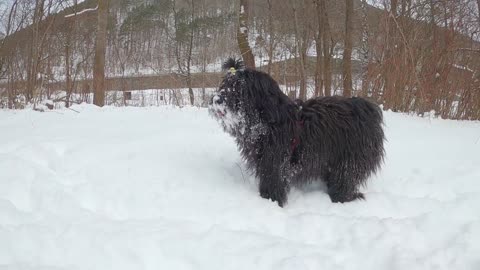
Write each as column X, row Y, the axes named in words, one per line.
column 271, row 38
column 389, row 69
column 347, row 50
column 478, row 12
column 189, row 56
column 364, row 48
column 302, row 38
column 100, row 50
column 184, row 37
column 32, row 68
column 242, row 35
column 6, row 50
column 327, row 48
column 318, row 44
column 40, row 32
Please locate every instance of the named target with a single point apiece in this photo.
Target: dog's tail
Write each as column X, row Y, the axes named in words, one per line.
column 232, row 65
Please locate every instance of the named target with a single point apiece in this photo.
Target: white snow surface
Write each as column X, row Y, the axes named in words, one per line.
column 165, row 188
column 81, row 12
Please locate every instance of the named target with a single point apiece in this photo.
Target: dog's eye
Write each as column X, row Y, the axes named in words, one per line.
column 227, row 91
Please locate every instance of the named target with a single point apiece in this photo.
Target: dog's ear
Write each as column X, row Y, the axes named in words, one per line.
column 232, row 65
column 272, row 115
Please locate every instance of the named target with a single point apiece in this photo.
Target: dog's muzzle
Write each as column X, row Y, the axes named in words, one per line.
column 217, row 106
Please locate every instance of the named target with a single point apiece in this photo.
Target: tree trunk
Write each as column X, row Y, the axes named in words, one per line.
column 7, row 61
column 301, row 44
column 242, row 35
column 271, row 37
column 365, row 50
column 33, row 58
column 189, row 59
column 68, row 75
column 347, row 51
column 204, row 57
column 389, row 69
column 100, row 50
column 327, row 57
column 478, row 15
column 68, row 65
column 318, row 47
column 303, row 73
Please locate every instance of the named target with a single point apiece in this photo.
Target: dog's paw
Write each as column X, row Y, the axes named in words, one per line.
column 279, row 197
column 342, row 198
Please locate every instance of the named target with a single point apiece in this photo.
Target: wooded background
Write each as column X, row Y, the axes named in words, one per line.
column 409, row 55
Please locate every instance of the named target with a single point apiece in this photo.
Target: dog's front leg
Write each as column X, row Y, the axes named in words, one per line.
column 272, row 184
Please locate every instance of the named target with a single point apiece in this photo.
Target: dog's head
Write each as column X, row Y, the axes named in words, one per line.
column 227, row 102
column 228, row 95
column 248, row 97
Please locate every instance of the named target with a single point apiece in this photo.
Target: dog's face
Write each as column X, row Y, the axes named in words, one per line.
column 227, row 105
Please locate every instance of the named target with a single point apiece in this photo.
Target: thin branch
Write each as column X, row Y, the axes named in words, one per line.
column 465, row 49
column 81, row 12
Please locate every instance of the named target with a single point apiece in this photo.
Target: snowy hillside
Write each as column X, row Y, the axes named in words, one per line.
column 165, row 188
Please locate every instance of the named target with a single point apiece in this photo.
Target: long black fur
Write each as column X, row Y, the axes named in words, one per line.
column 338, row 140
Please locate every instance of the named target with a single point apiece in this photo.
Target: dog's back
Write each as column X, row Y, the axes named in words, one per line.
column 348, row 132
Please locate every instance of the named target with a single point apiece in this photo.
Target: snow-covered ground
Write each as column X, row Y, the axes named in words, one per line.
column 165, row 188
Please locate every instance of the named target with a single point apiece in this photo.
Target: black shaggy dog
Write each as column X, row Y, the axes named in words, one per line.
column 336, row 139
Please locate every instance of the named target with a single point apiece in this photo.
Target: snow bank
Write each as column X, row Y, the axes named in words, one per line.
column 165, row 188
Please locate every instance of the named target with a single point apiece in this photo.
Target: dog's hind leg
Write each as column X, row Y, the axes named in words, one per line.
column 338, row 194
column 276, row 191
column 342, row 186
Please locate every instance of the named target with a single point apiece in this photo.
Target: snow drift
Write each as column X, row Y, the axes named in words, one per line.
column 165, row 188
